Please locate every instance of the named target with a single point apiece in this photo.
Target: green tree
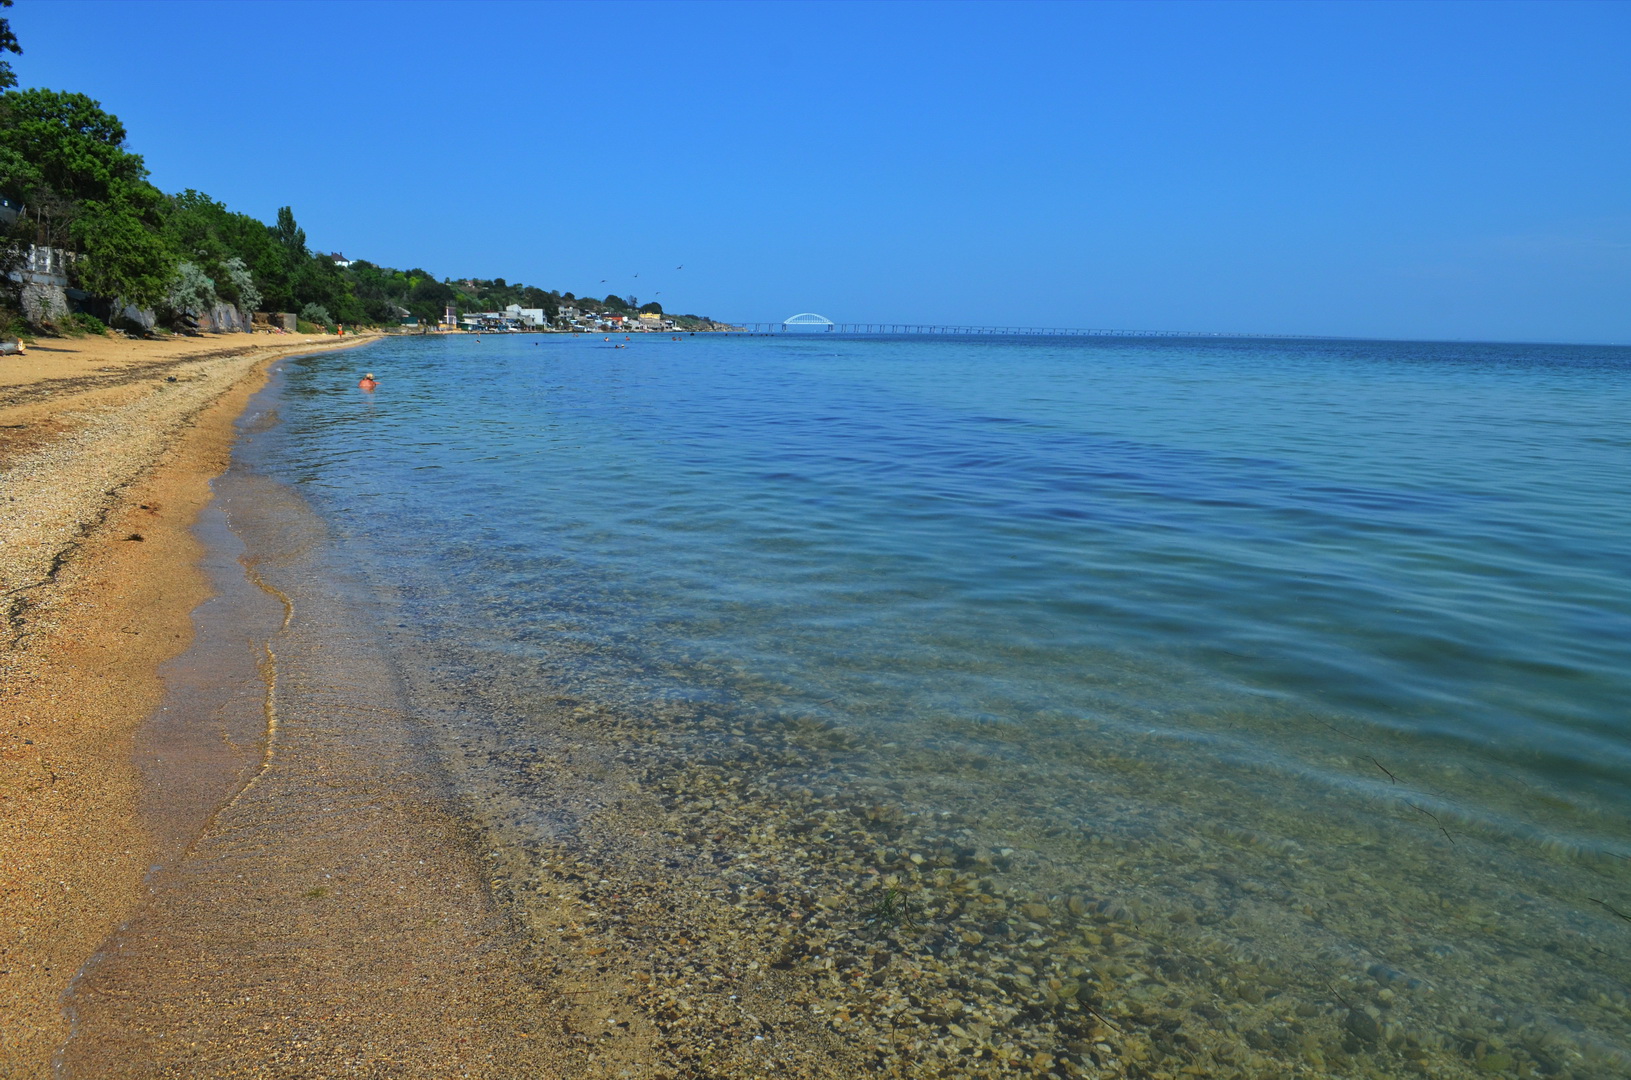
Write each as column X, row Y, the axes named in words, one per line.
column 427, row 299
column 66, row 144
column 222, row 244
column 534, row 297
column 124, row 257
column 8, row 44
column 64, row 158
column 379, row 290
column 290, row 236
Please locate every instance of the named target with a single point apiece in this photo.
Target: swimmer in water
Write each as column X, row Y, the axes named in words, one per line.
column 368, row 382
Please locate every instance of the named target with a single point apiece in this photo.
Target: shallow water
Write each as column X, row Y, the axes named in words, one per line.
column 1086, row 707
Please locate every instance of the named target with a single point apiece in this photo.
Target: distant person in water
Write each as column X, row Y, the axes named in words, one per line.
column 368, row 382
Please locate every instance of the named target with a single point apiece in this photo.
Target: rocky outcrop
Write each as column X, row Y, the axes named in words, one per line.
column 42, row 279
column 43, row 303
column 225, row 319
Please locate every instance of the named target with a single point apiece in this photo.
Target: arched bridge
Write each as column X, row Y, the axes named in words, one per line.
column 808, row 321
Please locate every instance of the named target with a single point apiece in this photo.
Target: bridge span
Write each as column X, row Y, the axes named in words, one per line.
column 810, row 323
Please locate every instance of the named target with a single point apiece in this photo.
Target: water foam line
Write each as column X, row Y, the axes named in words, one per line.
column 268, row 670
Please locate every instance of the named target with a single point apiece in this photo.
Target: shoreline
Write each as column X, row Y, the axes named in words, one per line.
column 317, row 902
column 97, row 446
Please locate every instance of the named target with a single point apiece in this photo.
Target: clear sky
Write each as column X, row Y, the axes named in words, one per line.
column 1393, row 170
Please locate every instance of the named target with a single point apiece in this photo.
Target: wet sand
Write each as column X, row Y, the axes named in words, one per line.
column 330, row 916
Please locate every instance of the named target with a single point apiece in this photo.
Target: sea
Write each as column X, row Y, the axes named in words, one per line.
column 933, row 706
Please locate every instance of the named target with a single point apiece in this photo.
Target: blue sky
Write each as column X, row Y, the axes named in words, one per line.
column 1389, row 170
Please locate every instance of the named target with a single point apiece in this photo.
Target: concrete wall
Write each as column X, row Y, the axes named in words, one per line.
column 271, row 320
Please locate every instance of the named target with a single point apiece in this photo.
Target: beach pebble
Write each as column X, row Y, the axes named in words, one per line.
column 1363, row 1025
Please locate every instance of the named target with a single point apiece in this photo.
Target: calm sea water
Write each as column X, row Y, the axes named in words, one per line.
column 1306, row 663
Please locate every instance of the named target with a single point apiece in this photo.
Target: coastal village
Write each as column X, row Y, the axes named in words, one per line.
column 515, row 319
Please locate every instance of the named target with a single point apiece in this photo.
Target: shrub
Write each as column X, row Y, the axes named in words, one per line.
column 242, row 282
column 13, row 327
column 316, row 313
column 304, row 327
column 88, row 323
column 191, row 291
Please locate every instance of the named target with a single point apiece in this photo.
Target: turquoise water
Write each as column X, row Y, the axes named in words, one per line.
column 1254, row 704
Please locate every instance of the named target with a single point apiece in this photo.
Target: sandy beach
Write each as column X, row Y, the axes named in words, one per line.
column 107, row 449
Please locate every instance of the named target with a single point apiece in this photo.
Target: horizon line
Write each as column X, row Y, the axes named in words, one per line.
column 1020, row 330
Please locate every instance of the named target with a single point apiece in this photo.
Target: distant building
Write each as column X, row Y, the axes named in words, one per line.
column 532, row 318
column 340, row 260
column 511, row 319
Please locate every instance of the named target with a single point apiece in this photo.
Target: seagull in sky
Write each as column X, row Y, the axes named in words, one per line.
column 679, row 268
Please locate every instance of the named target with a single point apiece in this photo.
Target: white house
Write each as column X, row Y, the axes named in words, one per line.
column 531, row 317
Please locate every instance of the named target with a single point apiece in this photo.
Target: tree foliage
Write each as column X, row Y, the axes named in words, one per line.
column 8, row 44
column 64, row 159
column 191, row 290
column 124, row 258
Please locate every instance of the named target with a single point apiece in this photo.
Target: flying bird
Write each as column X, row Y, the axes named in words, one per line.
column 679, row 268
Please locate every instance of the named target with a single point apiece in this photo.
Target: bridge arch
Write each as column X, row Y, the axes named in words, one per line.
column 809, row 318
